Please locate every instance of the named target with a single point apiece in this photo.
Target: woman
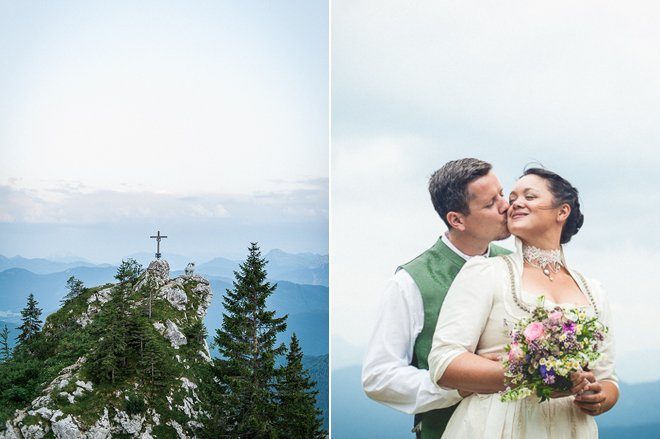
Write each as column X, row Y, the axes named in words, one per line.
column 544, row 213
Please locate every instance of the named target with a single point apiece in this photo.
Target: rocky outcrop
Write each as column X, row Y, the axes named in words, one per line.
column 180, row 301
column 157, row 273
column 174, row 294
column 174, row 335
column 95, row 301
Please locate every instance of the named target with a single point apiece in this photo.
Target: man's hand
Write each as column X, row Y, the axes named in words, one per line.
column 464, row 393
column 492, row 356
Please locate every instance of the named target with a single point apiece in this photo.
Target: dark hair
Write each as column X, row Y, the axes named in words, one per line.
column 563, row 192
column 448, row 185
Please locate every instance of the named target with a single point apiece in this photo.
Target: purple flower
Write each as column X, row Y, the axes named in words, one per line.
column 569, row 327
column 547, row 374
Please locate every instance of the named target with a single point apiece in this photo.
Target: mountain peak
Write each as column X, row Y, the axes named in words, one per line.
column 155, row 388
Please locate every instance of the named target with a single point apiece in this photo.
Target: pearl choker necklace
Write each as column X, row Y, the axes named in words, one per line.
column 548, row 261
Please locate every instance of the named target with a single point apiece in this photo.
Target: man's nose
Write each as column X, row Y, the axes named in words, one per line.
column 504, row 205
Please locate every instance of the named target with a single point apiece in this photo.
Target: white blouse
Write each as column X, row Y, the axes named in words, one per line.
column 480, row 300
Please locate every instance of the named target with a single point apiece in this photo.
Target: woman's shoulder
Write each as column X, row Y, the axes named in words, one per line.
column 481, row 267
column 592, row 285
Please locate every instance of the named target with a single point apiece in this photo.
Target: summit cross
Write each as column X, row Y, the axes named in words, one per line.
column 158, row 237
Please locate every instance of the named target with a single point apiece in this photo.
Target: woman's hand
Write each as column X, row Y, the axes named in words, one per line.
column 580, row 380
column 597, row 398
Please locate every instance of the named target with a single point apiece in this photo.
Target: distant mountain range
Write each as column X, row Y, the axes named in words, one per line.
column 355, row 416
column 318, row 371
column 301, row 268
column 43, row 266
column 306, row 305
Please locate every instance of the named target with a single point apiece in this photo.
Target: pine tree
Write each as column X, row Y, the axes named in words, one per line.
column 155, row 362
column 5, row 352
column 298, row 416
column 75, row 288
column 31, row 317
column 247, row 343
column 129, row 270
column 108, row 359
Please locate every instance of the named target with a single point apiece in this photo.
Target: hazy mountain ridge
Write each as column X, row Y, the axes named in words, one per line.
column 302, row 268
column 306, row 305
column 318, row 367
column 43, row 265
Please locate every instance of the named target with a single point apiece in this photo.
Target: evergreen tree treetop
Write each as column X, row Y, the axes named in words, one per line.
column 129, row 270
column 297, row 416
column 31, row 317
column 75, row 287
column 247, row 342
column 5, row 352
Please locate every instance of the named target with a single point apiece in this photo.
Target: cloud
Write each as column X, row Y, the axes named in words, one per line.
column 569, row 77
column 9, row 314
column 76, row 204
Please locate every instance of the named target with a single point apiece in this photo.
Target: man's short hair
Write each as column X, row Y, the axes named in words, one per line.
column 448, row 185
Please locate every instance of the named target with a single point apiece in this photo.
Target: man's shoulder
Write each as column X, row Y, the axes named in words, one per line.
column 496, row 250
column 439, row 253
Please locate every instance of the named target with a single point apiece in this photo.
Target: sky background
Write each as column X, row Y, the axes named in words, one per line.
column 573, row 86
column 207, row 120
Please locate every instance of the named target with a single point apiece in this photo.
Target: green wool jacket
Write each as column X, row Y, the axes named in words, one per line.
column 433, row 271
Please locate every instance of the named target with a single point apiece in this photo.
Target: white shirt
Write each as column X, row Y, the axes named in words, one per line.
column 387, row 375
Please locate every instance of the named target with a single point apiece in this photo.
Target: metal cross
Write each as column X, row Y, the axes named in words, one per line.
column 158, row 238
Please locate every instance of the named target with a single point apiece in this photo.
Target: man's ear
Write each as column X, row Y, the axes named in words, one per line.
column 456, row 220
column 564, row 212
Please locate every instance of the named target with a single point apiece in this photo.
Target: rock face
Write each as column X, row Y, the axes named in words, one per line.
column 174, row 294
column 128, row 409
column 175, row 336
column 159, row 270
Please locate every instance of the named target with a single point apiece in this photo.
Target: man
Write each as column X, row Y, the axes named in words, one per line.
column 469, row 199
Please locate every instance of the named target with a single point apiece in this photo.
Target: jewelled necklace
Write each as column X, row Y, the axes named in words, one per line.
column 548, row 261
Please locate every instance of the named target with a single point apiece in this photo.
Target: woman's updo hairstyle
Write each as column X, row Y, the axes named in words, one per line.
column 563, row 192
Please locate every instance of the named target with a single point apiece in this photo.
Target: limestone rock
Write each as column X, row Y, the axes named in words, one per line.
column 9, row 433
column 159, row 327
column 34, row 431
column 203, row 290
column 101, row 296
column 175, row 295
column 175, row 336
column 131, row 424
column 68, row 396
column 159, row 271
column 179, row 430
column 66, row 429
column 85, row 385
column 102, row 428
column 44, row 412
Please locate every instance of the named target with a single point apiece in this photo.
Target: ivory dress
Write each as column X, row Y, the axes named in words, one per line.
column 472, row 320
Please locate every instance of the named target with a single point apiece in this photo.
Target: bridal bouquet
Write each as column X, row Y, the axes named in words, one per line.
column 546, row 348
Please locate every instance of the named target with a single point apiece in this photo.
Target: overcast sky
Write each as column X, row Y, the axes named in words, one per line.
column 574, row 86
column 121, row 115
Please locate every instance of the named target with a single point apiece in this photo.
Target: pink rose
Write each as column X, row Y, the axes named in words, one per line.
column 533, row 331
column 555, row 315
column 515, row 352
